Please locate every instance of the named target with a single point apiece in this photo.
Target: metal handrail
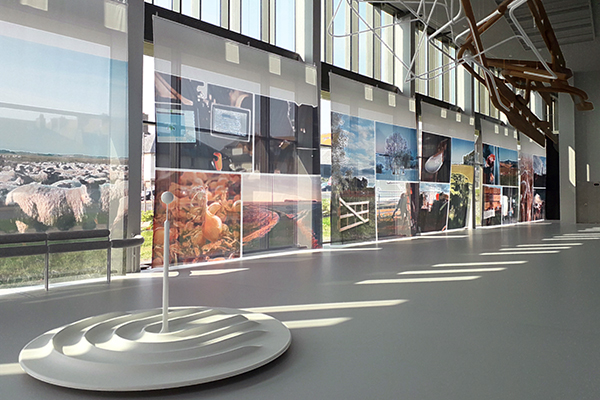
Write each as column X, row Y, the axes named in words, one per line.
column 26, row 244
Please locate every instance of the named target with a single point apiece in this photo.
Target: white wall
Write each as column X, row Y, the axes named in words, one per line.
column 587, row 141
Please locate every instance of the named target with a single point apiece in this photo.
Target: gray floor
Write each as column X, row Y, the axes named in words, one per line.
column 531, row 331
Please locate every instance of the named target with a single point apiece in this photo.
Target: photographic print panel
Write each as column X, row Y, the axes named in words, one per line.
column 539, row 204
column 539, row 172
column 433, row 206
column 208, row 126
column 353, row 179
column 396, row 153
column 205, row 222
column 463, row 152
column 525, row 187
column 396, row 208
column 510, row 205
column 509, row 167
column 492, row 205
column 461, row 187
column 491, row 170
column 281, row 211
column 63, row 147
column 436, row 153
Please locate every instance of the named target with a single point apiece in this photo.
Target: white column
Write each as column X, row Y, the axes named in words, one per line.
column 566, row 139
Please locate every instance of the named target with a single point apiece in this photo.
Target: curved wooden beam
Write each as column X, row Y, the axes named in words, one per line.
column 531, row 76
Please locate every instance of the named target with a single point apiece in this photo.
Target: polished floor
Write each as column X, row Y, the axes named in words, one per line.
column 504, row 313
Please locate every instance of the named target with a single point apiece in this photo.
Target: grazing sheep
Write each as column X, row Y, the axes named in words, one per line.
column 112, row 192
column 115, row 195
column 50, row 205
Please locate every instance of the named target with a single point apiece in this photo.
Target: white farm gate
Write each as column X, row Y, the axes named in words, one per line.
column 358, row 214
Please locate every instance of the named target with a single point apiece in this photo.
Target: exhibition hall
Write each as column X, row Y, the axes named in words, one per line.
column 340, row 199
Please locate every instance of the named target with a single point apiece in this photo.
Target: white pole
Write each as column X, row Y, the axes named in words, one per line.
column 167, row 198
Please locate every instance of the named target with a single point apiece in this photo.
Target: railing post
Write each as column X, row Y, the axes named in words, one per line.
column 47, row 266
column 108, row 260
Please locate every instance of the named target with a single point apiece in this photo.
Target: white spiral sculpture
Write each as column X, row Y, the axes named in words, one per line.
column 162, row 348
column 126, row 351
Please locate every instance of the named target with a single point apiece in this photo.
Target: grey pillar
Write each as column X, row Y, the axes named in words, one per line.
column 135, row 37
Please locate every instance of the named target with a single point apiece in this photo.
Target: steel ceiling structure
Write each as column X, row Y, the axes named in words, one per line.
column 485, row 30
column 572, row 22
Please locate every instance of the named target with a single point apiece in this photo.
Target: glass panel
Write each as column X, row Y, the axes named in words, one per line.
column 283, row 127
column 285, row 24
column 63, row 129
column 365, row 40
column 453, row 74
column 462, row 77
column 341, row 55
column 446, row 76
column 484, row 96
column 261, row 155
column 21, row 271
column 211, row 11
column 387, row 36
column 168, row 4
column 191, row 8
column 148, row 109
column 251, row 12
column 283, row 157
column 435, row 73
column 77, row 265
column 399, row 70
column 421, row 63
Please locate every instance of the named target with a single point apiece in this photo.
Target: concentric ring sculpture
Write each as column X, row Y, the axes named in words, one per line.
column 127, row 351
column 155, row 349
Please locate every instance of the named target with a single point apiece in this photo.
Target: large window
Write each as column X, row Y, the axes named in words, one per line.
column 387, row 47
column 279, row 22
column 285, row 16
column 421, row 52
column 341, row 43
column 367, row 39
column 435, row 69
column 188, row 7
column 251, row 18
column 211, row 11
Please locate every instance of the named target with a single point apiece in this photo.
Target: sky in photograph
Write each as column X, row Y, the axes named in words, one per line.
column 434, row 187
column 62, row 98
column 359, row 148
column 383, row 131
column 505, row 154
column 461, row 148
column 539, row 165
